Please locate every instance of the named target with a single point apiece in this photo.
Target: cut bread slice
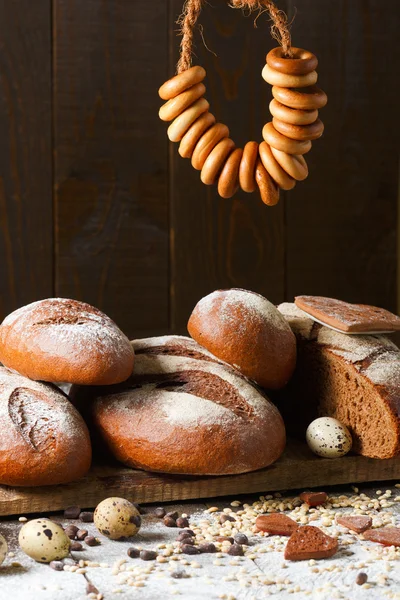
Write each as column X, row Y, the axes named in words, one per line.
column 353, row 379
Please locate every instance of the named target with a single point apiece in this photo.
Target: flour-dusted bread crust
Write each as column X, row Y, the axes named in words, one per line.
column 184, row 412
column 44, row 440
column 355, row 379
column 64, row 340
column 245, row 330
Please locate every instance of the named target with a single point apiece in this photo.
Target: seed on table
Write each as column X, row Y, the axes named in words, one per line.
column 182, row 522
column 81, row 534
column 207, row 548
column 148, row 555
column 236, row 550
column 90, row 540
column 160, row 512
column 187, row 540
column 178, row 574
column 223, row 538
column 22, row 519
column 86, row 516
column 71, row 531
column 70, row 561
column 174, row 515
column 169, row 521
column 224, row 517
column 185, row 534
column 361, row 578
column 188, row 549
column 57, row 565
column 133, row 552
column 241, row 538
column 72, row 512
column 76, row 547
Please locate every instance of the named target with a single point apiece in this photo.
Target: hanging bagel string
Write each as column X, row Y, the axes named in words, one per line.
column 276, row 163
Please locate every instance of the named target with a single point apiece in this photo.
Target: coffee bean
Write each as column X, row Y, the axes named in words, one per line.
column 160, row 512
column 182, row 522
column 188, row 549
column 148, row 555
column 361, row 578
column 72, row 512
column 187, row 540
column 169, row 521
column 86, row 517
column 207, row 548
column 224, row 517
column 81, row 534
column 223, row 538
column 90, row 540
column 174, row 515
column 91, row 589
column 236, row 550
column 183, row 536
column 178, row 574
column 76, row 547
column 133, row 552
column 57, row 565
column 241, row 538
column 71, row 531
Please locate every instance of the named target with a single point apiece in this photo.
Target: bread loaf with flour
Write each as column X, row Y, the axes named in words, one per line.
column 353, row 378
column 44, row 440
column 183, row 411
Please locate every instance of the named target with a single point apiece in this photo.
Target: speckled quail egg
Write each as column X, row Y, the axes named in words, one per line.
column 3, row 549
column 44, row 541
column 117, row 518
column 328, row 437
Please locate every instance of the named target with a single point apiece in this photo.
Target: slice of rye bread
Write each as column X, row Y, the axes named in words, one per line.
column 183, row 411
column 355, row 379
column 310, row 542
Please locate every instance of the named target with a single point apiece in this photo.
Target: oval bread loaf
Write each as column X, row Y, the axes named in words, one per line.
column 185, row 412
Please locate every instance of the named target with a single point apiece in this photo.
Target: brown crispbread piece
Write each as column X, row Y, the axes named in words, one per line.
column 314, row 498
column 276, row 524
column 347, row 317
column 388, row 536
column 310, row 542
column 357, row 523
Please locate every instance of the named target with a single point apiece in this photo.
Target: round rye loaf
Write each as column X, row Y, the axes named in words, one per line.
column 183, row 411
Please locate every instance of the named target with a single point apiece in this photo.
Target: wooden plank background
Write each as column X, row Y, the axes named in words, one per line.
column 96, row 205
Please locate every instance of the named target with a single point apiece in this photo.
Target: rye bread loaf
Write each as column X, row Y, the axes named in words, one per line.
column 182, row 411
column 245, row 330
column 44, row 439
column 64, row 340
column 355, row 379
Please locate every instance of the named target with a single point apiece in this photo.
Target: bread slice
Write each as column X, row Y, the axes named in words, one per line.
column 355, row 379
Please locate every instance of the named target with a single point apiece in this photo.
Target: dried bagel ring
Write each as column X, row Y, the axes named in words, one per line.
column 178, row 84
column 300, row 132
column 247, row 170
column 194, row 133
column 207, row 143
column 288, row 81
column 269, row 191
column 304, row 99
column 295, row 165
column 300, row 63
column 291, row 115
column 181, row 124
column 228, row 182
column 216, row 160
column 281, row 142
column 278, row 174
column 173, row 108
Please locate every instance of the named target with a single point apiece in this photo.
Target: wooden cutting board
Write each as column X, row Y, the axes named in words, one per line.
column 297, row 469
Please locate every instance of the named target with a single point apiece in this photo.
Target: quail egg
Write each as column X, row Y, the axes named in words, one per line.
column 117, row 518
column 328, row 437
column 44, row 541
column 3, row 549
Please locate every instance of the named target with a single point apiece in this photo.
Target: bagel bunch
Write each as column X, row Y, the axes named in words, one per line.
column 278, row 162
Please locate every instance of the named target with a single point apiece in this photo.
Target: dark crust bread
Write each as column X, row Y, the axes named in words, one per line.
column 44, row 440
column 350, row 318
column 67, row 341
column 184, row 412
column 246, row 331
column 310, row 542
column 344, row 376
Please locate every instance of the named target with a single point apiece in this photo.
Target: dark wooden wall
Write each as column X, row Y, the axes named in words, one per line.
column 96, row 205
